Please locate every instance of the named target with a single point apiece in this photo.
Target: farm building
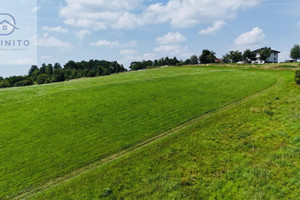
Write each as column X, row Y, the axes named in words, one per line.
column 273, row 57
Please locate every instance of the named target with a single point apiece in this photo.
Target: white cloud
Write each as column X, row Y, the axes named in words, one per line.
column 57, row 29
column 106, row 43
column 298, row 24
column 127, row 21
column 149, row 56
column 52, row 42
column 82, row 33
column 36, row 8
column 170, row 44
column 212, row 29
column 168, row 49
column 250, row 39
column 171, row 38
column 25, row 61
column 113, row 44
column 127, row 52
column 101, row 14
column 46, row 57
column 130, row 55
column 96, row 14
column 132, row 43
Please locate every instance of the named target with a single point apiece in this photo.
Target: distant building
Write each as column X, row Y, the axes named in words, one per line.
column 273, row 57
column 218, row 60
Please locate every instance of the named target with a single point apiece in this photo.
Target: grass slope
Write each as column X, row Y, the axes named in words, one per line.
column 249, row 152
column 48, row 131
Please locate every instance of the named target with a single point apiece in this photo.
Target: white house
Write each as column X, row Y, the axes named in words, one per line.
column 273, row 57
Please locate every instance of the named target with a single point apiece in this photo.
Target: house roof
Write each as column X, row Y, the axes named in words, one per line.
column 273, row 51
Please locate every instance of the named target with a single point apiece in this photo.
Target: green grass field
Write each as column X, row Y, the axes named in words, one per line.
column 251, row 151
column 244, row 152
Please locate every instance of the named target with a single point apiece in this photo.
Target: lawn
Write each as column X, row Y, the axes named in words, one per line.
column 51, row 130
column 251, row 151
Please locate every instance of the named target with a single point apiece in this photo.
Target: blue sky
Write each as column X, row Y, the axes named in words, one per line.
column 129, row 30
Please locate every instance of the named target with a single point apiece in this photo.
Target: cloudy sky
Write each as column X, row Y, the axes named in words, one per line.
column 128, row 30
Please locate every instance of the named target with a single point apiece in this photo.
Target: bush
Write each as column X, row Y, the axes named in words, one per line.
column 12, row 80
column 42, row 79
column 297, row 77
column 4, row 84
column 23, row 83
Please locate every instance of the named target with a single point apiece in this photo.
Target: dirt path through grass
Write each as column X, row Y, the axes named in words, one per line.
column 113, row 157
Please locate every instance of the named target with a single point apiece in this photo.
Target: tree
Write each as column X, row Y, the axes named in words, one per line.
column 49, row 70
column 226, row 58
column 57, row 69
column 43, row 69
column 33, row 69
column 71, row 70
column 249, row 55
column 4, row 84
column 136, row 66
column 204, row 56
column 71, row 65
column 100, row 71
column 194, row 60
column 14, row 79
column 207, row 57
column 212, row 57
column 187, row 62
column 175, row 61
column 58, row 77
column 57, row 66
column 295, row 52
column 233, row 57
column 265, row 53
column 42, row 78
column 91, row 74
column 155, row 63
column 26, row 82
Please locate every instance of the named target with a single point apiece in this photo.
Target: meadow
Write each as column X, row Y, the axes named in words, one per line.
column 250, row 151
column 51, row 130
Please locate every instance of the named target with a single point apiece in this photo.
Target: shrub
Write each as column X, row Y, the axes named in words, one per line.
column 23, row 83
column 297, row 77
column 4, row 84
column 42, row 78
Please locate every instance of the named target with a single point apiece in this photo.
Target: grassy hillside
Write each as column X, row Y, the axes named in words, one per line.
column 248, row 152
column 48, row 131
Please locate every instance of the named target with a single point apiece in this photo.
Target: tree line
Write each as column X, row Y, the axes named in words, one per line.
column 73, row 70
column 206, row 57
column 56, row 73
